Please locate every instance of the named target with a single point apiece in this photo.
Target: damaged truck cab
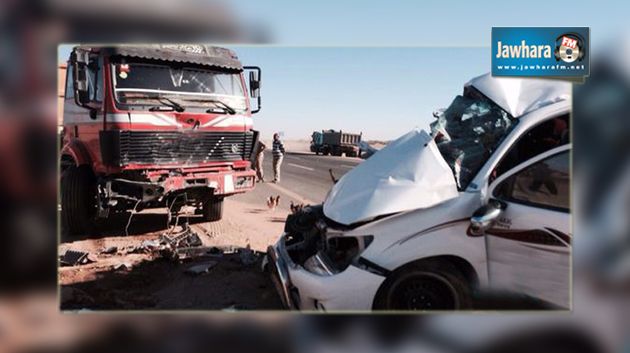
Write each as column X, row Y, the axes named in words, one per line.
column 433, row 221
column 155, row 126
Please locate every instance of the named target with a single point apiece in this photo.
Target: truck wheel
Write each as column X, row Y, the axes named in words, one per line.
column 213, row 209
column 78, row 199
column 428, row 286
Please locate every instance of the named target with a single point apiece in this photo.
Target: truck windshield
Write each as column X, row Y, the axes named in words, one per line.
column 189, row 87
column 468, row 132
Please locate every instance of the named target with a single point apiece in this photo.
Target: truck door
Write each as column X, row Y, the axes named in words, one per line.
column 529, row 245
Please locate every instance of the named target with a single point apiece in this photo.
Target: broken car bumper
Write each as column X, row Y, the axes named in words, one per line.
column 350, row 289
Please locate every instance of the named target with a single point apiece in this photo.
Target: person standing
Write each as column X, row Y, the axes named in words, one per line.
column 260, row 156
column 277, row 151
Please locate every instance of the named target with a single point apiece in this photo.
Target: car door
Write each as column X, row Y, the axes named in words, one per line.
column 529, row 245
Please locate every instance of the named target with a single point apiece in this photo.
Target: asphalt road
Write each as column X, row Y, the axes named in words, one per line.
column 305, row 175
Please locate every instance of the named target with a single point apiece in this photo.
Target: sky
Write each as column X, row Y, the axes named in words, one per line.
column 381, row 92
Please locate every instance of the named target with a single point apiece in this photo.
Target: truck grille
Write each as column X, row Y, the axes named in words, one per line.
column 165, row 147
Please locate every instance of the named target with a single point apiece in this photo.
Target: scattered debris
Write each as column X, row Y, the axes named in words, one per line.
column 193, row 252
column 133, row 212
column 150, row 244
column 122, row 266
column 109, row 250
column 201, row 268
column 74, row 257
column 185, row 238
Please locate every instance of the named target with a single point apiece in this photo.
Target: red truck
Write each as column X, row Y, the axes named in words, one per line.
column 155, row 126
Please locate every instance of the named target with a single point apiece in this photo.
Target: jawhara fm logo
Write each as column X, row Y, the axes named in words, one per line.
column 569, row 48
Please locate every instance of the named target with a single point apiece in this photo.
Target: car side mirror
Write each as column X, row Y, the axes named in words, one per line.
column 485, row 216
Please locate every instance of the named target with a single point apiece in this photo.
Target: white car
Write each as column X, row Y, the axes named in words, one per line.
column 432, row 221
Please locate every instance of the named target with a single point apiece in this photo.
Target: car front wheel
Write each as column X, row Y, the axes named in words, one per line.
column 424, row 287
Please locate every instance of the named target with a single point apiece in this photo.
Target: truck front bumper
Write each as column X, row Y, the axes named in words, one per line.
column 222, row 183
column 299, row 289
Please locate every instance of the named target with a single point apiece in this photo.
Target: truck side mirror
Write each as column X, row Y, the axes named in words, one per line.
column 255, row 75
column 81, row 70
column 80, row 60
column 254, row 85
column 485, row 216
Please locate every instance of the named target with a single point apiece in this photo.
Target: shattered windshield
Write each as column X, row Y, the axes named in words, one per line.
column 468, row 132
column 189, row 87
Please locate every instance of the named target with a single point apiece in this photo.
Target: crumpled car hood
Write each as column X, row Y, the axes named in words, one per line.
column 407, row 174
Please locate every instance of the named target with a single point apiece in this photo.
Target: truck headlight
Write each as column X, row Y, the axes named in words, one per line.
column 244, row 182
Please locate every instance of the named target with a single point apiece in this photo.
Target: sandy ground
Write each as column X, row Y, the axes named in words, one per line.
column 149, row 281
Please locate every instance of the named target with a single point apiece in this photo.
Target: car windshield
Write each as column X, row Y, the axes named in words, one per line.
column 468, row 132
column 189, row 87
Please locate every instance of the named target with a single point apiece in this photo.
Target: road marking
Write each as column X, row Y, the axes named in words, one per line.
column 347, row 166
column 301, row 166
column 291, row 194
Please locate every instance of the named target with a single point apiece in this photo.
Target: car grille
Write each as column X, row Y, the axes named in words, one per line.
column 166, row 147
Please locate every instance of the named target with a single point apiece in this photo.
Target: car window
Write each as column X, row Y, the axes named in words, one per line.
column 543, row 184
column 539, row 139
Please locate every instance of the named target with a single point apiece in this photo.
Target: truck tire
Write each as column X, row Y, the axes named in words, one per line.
column 213, row 209
column 78, row 200
column 424, row 286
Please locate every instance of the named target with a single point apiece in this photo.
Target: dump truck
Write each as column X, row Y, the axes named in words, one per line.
column 336, row 143
column 155, row 126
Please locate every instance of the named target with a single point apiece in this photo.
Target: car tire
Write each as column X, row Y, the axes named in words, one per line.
column 213, row 209
column 424, row 286
column 78, row 200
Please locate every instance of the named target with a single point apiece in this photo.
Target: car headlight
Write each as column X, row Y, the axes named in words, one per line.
column 319, row 265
